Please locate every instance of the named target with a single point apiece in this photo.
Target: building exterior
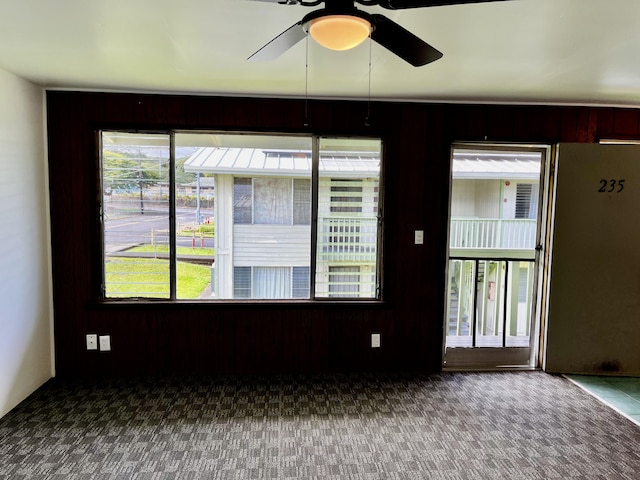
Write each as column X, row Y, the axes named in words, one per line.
column 492, row 239
column 494, row 201
column 264, row 227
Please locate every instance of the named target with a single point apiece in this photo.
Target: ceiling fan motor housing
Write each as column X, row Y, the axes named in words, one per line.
column 339, row 30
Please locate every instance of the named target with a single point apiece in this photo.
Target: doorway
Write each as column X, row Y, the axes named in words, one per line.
column 495, row 220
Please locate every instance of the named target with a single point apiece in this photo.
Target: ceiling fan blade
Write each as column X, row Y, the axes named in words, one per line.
column 402, row 42
column 401, row 4
column 281, row 43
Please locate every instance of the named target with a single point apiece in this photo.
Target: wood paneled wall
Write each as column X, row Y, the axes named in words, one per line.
column 151, row 338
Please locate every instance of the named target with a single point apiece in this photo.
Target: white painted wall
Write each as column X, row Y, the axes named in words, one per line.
column 478, row 198
column 271, row 245
column 26, row 359
column 488, row 201
column 463, row 197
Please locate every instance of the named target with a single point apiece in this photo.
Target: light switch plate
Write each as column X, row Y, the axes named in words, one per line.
column 105, row 343
column 419, row 237
column 375, row 340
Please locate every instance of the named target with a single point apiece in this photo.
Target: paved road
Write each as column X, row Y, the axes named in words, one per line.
column 136, row 229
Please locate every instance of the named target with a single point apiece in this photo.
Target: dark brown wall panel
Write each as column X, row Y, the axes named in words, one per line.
column 120, row 107
column 551, row 124
column 156, row 338
column 605, row 123
column 569, row 125
column 626, row 123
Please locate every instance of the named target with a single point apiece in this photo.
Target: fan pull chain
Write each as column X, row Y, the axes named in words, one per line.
column 306, row 83
column 367, row 122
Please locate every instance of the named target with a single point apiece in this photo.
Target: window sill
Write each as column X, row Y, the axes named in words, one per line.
column 162, row 303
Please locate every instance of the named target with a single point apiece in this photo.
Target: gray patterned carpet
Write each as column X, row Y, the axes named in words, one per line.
column 521, row 425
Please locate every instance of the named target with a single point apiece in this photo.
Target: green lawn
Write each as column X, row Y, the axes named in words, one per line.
column 148, row 277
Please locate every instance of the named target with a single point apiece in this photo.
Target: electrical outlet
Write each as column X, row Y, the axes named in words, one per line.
column 105, row 343
column 92, row 341
column 375, row 340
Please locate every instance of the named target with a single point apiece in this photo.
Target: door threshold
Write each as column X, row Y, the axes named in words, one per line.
column 489, row 368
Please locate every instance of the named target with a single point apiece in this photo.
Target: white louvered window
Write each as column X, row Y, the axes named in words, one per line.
column 300, row 282
column 344, row 281
column 242, row 282
column 346, row 195
column 526, row 200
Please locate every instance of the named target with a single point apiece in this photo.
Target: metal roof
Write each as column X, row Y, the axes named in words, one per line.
column 297, row 163
column 496, row 165
column 293, row 163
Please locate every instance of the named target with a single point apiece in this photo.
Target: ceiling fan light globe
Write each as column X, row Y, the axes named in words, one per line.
column 339, row 32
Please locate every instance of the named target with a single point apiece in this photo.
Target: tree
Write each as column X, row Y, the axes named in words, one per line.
column 182, row 177
column 124, row 172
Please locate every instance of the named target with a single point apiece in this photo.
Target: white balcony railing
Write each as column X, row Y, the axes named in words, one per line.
column 489, row 302
column 493, row 233
column 347, row 239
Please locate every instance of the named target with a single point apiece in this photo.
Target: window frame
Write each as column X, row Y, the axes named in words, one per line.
column 312, row 267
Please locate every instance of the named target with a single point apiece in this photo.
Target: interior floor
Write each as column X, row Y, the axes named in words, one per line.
column 620, row 393
column 447, row 426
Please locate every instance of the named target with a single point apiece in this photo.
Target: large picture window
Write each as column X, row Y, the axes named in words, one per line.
column 218, row 216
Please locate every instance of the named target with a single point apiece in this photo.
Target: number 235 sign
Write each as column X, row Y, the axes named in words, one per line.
column 611, row 185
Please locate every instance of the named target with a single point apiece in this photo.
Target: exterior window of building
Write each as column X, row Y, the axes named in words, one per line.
column 272, row 201
column 222, row 216
column 344, row 281
column 271, row 282
column 301, row 201
column 300, row 282
column 523, row 200
column 346, row 195
column 242, row 282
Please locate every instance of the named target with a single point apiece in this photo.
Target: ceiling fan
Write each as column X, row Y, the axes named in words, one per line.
column 341, row 26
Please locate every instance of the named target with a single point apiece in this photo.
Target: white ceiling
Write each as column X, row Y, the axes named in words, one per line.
column 540, row 51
